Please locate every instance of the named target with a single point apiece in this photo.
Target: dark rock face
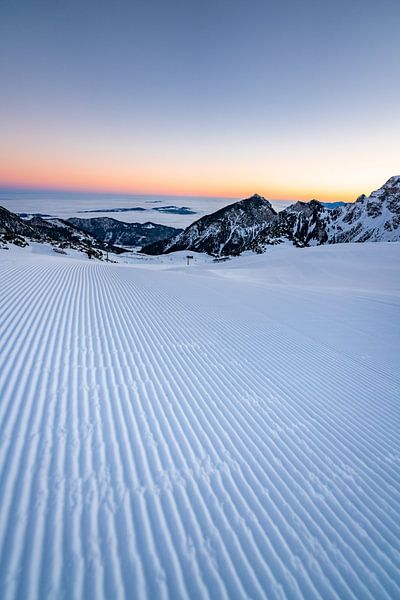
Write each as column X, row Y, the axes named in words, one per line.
column 156, row 248
column 12, row 224
column 223, row 233
column 302, row 224
column 112, row 231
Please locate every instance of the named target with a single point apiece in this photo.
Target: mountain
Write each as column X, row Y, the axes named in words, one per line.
column 374, row 219
column 175, row 210
column 252, row 224
column 14, row 229
column 333, row 205
column 59, row 233
column 112, row 231
column 302, row 224
column 172, row 209
column 225, row 232
column 114, row 210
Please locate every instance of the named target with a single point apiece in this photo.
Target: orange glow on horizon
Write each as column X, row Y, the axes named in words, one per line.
column 105, row 186
column 194, row 190
column 284, row 172
column 205, row 180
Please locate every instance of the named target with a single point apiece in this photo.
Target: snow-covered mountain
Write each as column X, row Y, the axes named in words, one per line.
column 302, row 223
column 86, row 235
column 59, row 233
column 375, row 218
column 250, row 224
column 253, row 224
column 225, row 232
column 112, row 231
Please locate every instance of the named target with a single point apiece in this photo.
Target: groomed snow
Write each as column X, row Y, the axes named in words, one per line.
column 214, row 431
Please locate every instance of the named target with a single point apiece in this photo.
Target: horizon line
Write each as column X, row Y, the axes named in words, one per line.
column 109, row 192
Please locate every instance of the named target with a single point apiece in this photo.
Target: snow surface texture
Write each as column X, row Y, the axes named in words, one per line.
column 214, row 431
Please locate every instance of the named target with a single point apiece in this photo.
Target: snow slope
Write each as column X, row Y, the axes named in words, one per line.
column 214, row 431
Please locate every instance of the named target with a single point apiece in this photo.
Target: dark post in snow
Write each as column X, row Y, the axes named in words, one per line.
column 89, row 250
column 188, row 258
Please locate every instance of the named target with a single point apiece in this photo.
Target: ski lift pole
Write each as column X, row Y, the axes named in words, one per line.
column 108, row 249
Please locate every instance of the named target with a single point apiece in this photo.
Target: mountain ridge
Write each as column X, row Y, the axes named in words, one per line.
column 57, row 232
column 252, row 224
column 113, row 231
column 223, row 232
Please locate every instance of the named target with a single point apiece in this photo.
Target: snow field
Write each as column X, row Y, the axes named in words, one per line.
column 222, row 431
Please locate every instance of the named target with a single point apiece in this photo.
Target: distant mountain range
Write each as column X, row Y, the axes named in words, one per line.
column 333, row 205
column 250, row 224
column 93, row 236
column 114, row 210
column 175, row 210
column 172, row 209
column 253, row 224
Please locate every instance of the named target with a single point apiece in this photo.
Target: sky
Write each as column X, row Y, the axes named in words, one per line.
column 292, row 99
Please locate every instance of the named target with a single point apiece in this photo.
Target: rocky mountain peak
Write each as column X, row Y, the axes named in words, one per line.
column 304, row 207
column 393, row 183
column 390, row 188
column 225, row 232
column 254, row 202
column 257, row 197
